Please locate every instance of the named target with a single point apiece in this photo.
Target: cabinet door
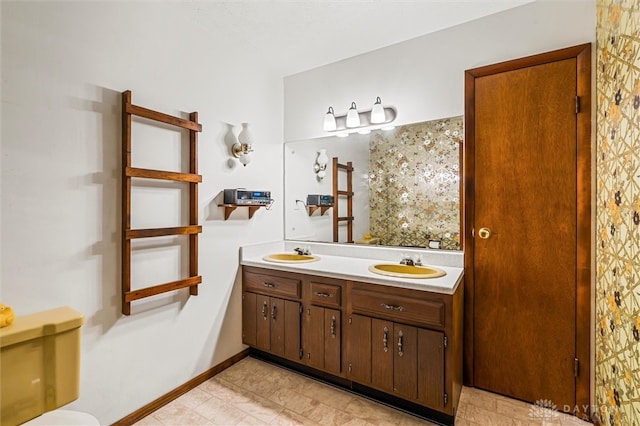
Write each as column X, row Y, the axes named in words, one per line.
column 431, row 368
column 382, row 350
column 359, row 349
column 405, row 361
column 249, row 318
column 332, row 340
column 314, row 337
column 263, row 323
column 277, row 314
column 292, row 319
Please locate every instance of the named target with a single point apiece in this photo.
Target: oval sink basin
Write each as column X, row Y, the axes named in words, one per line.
column 290, row 258
column 406, row 271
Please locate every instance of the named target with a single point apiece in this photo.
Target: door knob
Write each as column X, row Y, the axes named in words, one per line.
column 484, row 233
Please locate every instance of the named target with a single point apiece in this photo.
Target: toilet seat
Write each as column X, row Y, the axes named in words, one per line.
column 63, row 418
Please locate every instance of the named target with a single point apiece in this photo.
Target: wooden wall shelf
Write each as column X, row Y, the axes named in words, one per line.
column 323, row 209
column 192, row 177
column 229, row 208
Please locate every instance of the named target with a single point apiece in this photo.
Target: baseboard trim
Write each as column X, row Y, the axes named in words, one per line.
column 143, row 412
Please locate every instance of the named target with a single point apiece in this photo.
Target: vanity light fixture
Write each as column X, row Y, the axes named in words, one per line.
column 321, row 164
column 329, row 124
column 244, row 146
column 353, row 117
column 377, row 112
column 378, row 117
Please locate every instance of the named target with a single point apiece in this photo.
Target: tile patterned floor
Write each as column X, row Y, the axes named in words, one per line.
column 253, row 392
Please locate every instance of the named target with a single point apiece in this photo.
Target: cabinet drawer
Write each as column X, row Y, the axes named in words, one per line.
column 272, row 284
column 326, row 294
column 398, row 305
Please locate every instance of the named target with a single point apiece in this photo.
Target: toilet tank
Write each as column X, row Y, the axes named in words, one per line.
column 39, row 364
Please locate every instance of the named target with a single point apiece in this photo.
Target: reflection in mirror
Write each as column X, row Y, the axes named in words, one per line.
column 406, row 186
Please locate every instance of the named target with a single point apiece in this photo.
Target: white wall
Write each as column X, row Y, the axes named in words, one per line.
column 424, row 77
column 64, row 66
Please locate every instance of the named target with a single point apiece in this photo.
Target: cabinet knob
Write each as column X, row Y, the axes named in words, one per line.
column 333, row 326
column 393, row 307
column 385, row 339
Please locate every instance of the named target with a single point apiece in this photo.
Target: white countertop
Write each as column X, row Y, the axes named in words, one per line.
column 355, row 268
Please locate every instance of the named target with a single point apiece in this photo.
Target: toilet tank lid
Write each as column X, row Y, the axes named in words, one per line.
column 40, row 324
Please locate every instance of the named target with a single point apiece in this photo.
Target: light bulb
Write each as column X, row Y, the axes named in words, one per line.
column 323, row 158
column 329, row 124
column 245, row 137
column 245, row 159
column 322, row 174
column 377, row 113
column 353, row 118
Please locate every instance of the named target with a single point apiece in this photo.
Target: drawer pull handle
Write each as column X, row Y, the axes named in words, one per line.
column 321, row 294
column 333, row 327
column 269, row 285
column 385, row 339
column 393, row 307
column 274, row 312
column 264, row 310
column 400, row 352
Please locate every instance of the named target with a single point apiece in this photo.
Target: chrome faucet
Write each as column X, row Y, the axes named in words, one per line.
column 408, row 260
column 302, row 252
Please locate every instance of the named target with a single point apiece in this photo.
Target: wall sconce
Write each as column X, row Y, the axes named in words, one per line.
column 321, row 164
column 377, row 117
column 243, row 147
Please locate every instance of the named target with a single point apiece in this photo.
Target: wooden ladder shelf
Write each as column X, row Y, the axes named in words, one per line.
column 128, row 172
column 348, row 194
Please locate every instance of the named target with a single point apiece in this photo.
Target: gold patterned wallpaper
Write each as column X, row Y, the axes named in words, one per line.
column 414, row 184
column 618, row 212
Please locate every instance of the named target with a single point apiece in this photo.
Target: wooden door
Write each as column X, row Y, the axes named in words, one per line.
column 405, row 361
column 332, row 340
column 277, row 325
column 359, row 349
column 382, row 348
column 249, row 319
column 263, row 323
column 314, row 337
column 292, row 344
column 431, row 368
column 527, row 189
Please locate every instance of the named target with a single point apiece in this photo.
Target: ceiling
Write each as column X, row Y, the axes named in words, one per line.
column 296, row 35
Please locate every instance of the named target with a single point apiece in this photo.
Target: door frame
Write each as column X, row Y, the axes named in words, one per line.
column 582, row 54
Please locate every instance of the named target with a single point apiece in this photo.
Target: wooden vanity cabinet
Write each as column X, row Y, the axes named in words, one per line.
column 406, row 343
column 402, row 342
column 322, row 323
column 271, row 313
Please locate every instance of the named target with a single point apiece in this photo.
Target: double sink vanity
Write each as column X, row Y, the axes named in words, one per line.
column 354, row 316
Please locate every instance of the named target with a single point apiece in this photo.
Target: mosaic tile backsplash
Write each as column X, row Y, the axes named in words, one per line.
column 618, row 213
column 414, row 184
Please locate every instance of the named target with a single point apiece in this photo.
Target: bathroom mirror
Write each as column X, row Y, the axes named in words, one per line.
column 406, row 186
